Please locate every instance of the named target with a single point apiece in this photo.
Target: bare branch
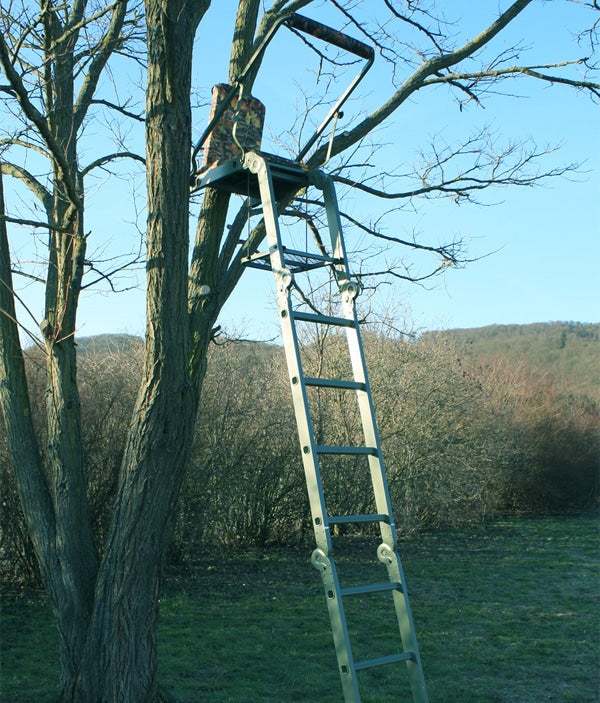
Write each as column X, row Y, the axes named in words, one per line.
column 101, row 55
column 118, row 108
column 433, row 37
column 35, row 223
column 103, row 160
column 393, row 271
column 108, row 276
column 532, row 71
column 448, row 252
column 429, row 68
column 462, row 172
column 39, row 190
column 25, row 143
column 38, row 120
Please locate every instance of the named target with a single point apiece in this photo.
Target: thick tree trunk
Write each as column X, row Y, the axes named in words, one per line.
column 75, row 550
column 119, row 662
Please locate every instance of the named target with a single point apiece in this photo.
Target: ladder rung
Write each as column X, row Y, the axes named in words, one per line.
column 309, row 256
column 323, row 319
column 258, row 261
column 296, row 259
column 366, row 517
column 378, row 661
column 349, row 451
column 335, row 383
column 371, row 588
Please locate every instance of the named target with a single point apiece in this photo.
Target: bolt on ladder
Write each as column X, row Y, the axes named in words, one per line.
column 273, row 177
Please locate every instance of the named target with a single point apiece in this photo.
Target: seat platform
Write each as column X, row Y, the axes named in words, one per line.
column 233, row 177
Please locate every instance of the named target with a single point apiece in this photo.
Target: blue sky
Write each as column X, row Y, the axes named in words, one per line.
column 538, row 248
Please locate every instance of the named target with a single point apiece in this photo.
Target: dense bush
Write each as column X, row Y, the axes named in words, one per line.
column 461, row 442
column 556, row 442
column 443, row 443
column 245, row 482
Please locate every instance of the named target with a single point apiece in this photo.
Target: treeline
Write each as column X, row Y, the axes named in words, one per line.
column 462, row 442
column 568, row 351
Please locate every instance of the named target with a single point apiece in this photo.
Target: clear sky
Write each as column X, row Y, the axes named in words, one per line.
column 537, row 248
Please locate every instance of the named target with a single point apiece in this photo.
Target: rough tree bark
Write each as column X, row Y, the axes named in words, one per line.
column 107, row 612
column 119, row 661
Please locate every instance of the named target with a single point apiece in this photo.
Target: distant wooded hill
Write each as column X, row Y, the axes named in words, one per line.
column 106, row 343
column 568, row 351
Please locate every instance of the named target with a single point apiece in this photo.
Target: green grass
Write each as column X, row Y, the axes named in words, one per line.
column 508, row 613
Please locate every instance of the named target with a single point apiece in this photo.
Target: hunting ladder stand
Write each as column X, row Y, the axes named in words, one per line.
column 267, row 180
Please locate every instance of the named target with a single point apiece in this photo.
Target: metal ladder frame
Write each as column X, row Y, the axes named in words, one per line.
column 322, row 560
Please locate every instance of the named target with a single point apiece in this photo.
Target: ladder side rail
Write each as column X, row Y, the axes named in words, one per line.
column 349, row 291
column 325, row 184
column 387, row 550
column 366, row 408
column 406, row 626
column 339, row 628
column 284, row 279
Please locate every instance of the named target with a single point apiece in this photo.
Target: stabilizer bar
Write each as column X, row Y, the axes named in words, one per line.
column 330, row 35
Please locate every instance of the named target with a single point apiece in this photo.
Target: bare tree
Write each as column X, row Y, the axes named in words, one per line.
column 53, row 67
column 52, row 57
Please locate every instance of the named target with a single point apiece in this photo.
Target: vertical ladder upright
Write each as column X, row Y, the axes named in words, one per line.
column 282, row 261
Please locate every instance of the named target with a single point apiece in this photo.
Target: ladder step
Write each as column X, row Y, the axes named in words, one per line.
column 350, row 519
column 335, row 383
column 308, row 256
column 258, row 255
column 378, row 661
column 371, row 588
column 348, row 451
column 323, row 319
column 260, row 260
column 295, row 260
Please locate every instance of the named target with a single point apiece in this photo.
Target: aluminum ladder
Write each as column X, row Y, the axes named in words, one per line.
column 268, row 178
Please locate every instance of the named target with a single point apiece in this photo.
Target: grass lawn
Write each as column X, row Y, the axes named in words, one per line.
column 507, row 613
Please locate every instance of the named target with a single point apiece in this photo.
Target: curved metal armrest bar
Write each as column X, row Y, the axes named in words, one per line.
column 320, row 31
column 343, row 41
